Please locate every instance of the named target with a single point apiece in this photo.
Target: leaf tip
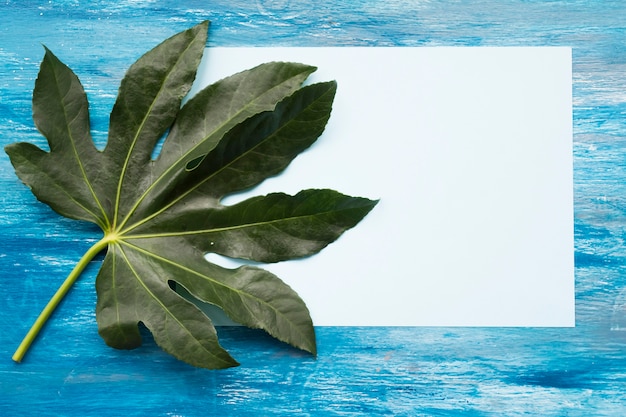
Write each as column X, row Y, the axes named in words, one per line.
column 203, row 26
column 47, row 52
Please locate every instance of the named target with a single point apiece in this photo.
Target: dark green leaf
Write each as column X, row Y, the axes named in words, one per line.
column 269, row 228
column 161, row 217
column 67, row 177
column 148, row 102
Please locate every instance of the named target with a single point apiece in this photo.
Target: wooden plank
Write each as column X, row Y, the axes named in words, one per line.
column 359, row 371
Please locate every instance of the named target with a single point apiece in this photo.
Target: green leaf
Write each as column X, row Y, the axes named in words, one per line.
column 66, row 177
column 131, row 289
column 147, row 104
column 161, row 217
column 270, row 228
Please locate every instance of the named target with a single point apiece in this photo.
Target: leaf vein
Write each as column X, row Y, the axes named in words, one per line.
column 70, row 133
column 138, row 133
column 272, row 223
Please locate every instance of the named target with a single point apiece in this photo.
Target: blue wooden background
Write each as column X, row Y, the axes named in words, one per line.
column 577, row 371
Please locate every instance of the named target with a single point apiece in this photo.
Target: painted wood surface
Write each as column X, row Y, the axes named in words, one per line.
column 359, row 371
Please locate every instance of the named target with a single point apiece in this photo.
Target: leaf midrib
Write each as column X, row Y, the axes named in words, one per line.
column 237, row 227
column 138, row 134
column 83, row 172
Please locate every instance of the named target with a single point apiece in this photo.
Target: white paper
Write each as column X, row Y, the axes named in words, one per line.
column 469, row 151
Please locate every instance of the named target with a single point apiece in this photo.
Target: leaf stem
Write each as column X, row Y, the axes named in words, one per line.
column 58, row 296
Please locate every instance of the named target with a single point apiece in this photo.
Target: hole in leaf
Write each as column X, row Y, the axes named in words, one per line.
column 159, row 145
column 194, row 163
column 215, row 313
column 229, row 263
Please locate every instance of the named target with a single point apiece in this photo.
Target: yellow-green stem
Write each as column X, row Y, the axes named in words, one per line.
column 58, row 296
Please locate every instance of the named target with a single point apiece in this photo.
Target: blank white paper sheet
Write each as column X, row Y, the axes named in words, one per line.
column 469, row 151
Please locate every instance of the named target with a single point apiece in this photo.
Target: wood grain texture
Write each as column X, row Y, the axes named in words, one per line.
column 359, row 371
